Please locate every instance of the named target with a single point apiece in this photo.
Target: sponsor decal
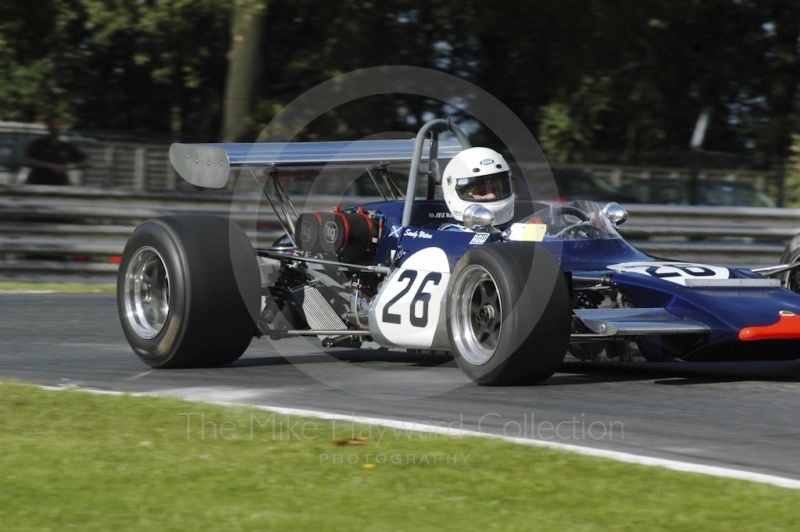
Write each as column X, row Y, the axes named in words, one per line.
column 463, row 181
column 487, row 162
column 479, row 238
column 329, row 232
column 417, row 234
column 439, row 215
column 305, row 231
column 527, row 232
column 675, row 272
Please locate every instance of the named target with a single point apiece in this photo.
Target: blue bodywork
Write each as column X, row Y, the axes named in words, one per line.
column 591, row 253
column 725, row 310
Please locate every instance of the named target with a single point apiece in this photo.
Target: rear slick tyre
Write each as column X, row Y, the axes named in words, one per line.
column 188, row 291
column 509, row 314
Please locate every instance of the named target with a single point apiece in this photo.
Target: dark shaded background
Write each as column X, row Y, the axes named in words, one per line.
column 586, row 76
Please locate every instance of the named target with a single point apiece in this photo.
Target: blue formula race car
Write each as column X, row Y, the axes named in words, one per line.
column 507, row 287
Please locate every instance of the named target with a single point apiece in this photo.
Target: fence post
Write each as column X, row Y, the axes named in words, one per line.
column 694, row 177
column 111, row 178
column 139, row 167
column 616, row 176
column 172, row 176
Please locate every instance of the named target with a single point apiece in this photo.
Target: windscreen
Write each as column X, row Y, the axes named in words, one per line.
column 573, row 220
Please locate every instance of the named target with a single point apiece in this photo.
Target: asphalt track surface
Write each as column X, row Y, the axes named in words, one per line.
column 743, row 416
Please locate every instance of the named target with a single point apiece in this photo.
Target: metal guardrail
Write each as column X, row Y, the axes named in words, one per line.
column 146, row 165
column 81, row 231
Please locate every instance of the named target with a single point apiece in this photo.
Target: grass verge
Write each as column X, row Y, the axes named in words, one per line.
column 97, row 462
column 57, row 287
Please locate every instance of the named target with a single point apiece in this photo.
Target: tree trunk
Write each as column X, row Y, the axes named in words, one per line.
column 243, row 67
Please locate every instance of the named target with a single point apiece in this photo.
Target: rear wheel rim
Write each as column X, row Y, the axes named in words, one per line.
column 147, row 292
column 478, row 318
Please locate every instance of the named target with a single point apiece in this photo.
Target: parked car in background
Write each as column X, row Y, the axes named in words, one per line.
column 709, row 192
column 575, row 184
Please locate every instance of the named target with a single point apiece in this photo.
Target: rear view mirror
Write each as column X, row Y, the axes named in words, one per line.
column 615, row 213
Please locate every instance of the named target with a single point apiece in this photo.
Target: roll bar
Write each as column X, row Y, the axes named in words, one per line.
column 435, row 127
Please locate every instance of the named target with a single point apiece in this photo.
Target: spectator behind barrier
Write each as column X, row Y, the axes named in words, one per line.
column 50, row 158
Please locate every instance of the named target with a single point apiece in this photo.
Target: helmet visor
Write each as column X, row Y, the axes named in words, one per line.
column 485, row 188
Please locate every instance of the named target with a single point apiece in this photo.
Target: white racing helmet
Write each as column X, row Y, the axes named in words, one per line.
column 479, row 176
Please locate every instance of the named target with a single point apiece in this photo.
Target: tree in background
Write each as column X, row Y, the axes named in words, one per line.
column 635, row 76
column 584, row 75
column 792, row 174
column 41, row 58
column 308, row 42
column 142, row 67
column 244, row 67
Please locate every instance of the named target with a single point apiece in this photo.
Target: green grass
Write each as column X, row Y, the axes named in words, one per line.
column 57, row 287
column 73, row 460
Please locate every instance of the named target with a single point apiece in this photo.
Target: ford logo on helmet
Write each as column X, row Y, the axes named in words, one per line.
column 487, row 161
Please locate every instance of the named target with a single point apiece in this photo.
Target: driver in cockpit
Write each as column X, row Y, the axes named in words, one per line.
column 479, row 176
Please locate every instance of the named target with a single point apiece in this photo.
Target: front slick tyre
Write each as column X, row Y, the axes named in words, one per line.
column 508, row 314
column 188, row 291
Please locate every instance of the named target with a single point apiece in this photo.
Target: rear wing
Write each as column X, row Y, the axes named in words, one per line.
column 208, row 165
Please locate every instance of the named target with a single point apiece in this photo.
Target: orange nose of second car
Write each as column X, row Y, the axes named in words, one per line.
column 787, row 327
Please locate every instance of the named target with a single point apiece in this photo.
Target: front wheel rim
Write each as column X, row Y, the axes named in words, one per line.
column 791, row 279
column 478, row 316
column 146, row 292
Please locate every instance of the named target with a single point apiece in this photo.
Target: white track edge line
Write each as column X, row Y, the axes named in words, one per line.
column 28, row 292
column 674, row 465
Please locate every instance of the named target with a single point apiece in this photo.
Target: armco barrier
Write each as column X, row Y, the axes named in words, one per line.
column 81, row 231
